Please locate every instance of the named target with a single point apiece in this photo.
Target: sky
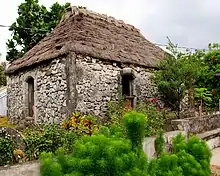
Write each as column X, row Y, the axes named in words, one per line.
column 189, row 23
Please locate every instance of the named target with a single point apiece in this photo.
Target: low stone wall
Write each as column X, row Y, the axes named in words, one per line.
column 149, row 143
column 212, row 138
column 197, row 125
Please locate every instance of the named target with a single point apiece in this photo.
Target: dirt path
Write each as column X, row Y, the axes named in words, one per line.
column 26, row 169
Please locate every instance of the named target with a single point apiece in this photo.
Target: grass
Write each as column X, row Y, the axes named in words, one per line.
column 5, row 123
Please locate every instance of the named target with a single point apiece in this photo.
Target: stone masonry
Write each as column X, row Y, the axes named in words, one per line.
column 75, row 83
column 49, row 93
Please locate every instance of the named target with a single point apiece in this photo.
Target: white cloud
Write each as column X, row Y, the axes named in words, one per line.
column 189, row 23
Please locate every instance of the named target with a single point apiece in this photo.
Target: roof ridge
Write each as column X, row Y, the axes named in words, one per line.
column 74, row 11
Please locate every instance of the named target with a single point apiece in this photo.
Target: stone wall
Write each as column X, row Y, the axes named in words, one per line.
column 98, row 82
column 74, row 83
column 197, row 124
column 49, row 93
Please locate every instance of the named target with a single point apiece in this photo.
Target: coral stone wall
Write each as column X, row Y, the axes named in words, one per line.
column 49, row 93
column 99, row 81
column 74, row 83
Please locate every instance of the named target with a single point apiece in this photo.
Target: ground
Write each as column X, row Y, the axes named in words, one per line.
column 215, row 162
column 26, row 169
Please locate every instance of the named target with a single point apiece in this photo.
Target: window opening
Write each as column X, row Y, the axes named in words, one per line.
column 30, row 97
column 127, row 81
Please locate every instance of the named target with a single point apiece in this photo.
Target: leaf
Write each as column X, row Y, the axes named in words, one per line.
column 26, row 30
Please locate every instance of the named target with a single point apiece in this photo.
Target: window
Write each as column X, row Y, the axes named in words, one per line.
column 127, row 87
column 30, row 96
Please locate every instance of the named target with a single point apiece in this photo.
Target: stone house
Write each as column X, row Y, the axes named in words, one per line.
column 86, row 61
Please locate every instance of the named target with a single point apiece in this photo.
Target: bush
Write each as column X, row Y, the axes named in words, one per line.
column 6, row 150
column 196, row 148
column 103, row 155
column 113, row 153
column 95, row 155
column 47, row 138
column 190, row 157
column 134, row 123
column 155, row 117
column 159, row 144
column 81, row 124
column 166, row 165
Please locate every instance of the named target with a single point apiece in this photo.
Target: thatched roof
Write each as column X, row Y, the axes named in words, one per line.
column 95, row 35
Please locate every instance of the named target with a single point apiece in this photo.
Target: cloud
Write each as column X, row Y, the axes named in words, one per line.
column 192, row 23
column 189, row 23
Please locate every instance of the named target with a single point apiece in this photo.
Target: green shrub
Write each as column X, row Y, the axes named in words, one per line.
column 155, row 117
column 68, row 139
column 6, row 150
column 190, row 157
column 95, row 155
column 134, row 123
column 47, row 138
column 111, row 152
column 166, row 165
column 108, row 154
column 159, row 144
column 195, row 147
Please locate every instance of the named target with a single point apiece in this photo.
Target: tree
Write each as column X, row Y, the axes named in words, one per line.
column 177, row 74
column 33, row 23
column 203, row 95
column 208, row 77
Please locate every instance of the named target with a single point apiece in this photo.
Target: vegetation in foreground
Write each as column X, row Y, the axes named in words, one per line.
column 114, row 151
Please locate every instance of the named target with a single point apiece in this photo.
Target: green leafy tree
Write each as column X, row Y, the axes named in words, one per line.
column 33, row 23
column 209, row 76
column 204, row 96
column 177, row 74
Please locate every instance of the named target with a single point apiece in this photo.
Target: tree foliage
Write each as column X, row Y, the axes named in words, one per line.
column 208, row 77
column 33, row 23
column 177, row 74
column 190, row 73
